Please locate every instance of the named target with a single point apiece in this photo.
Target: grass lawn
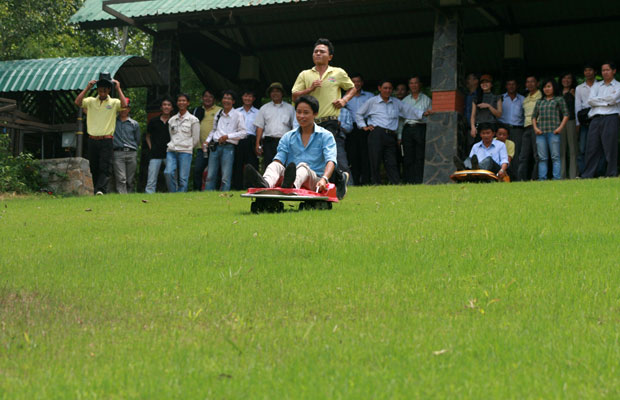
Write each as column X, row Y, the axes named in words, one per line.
column 490, row 291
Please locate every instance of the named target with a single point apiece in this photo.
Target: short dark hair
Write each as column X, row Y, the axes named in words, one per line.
column 611, row 64
column 474, row 74
column 326, row 42
column 502, row 126
column 590, row 65
column 166, row 98
column 309, row 100
column 184, row 95
column 248, row 91
column 356, row 75
column 415, row 77
column 531, row 76
column 208, row 90
column 483, row 126
column 385, row 80
column 510, row 79
column 554, row 83
column 229, row 92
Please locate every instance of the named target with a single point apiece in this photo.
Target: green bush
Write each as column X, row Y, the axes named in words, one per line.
column 21, row 174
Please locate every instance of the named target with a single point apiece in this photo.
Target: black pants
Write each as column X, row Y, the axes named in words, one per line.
column 357, row 154
column 341, row 157
column 602, row 142
column 414, row 144
column 382, row 146
column 528, row 155
column 100, row 154
column 270, row 149
column 200, row 164
column 516, row 135
column 244, row 154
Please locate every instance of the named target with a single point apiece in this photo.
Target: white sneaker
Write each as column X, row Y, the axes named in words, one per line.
column 99, row 193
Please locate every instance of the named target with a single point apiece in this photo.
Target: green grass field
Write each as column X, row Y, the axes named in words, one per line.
column 498, row 291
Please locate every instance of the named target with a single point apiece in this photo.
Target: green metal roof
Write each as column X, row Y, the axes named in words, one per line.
column 73, row 73
column 92, row 11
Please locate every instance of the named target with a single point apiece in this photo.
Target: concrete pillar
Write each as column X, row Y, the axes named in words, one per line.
column 445, row 126
column 513, row 64
column 165, row 56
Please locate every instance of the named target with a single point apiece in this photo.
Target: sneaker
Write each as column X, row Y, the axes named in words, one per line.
column 474, row 162
column 458, row 163
column 99, row 193
column 252, row 179
column 290, row 173
column 341, row 184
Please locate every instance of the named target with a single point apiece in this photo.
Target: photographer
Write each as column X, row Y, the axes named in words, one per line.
column 228, row 129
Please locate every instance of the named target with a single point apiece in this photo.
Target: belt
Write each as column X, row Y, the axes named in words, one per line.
column 124, row 149
column 414, row 123
column 270, row 139
column 100, row 137
column 325, row 119
column 513, row 126
column 386, row 130
column 604, row 115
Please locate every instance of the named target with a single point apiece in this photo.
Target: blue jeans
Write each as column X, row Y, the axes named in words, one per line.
column 223, row 156
column 547, row 143
column 182, row 162
column 151, row 180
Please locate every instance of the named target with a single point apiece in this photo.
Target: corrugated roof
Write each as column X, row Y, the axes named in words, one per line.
column 92, row 10
column 73, row 73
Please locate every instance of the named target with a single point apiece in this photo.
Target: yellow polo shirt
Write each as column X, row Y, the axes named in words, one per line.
column 333, row 80
column 101, row 115
column 528, row 106
column 206, row 125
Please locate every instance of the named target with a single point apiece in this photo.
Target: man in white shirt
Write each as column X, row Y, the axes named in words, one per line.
column 228, row 129
column 273, row 120
column 603, row 133
column 582, row 93
column 413, row 134
column 356, row 142
column 244, row 152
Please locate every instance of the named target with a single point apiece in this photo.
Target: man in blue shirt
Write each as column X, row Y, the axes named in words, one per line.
column 489, row 154
column 513, row 117
column 309, row 153
column 379, row 117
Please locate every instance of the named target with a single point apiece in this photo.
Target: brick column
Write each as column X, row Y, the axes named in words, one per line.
column 445, row 126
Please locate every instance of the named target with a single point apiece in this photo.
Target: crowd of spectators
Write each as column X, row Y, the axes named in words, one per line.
column 379, row 137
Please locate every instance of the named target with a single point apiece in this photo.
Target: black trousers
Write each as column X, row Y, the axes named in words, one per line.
column 528, row 155
column 100, row 153
column 602, row 142
column 516, row 135
column 270, row 149
column 382, row 146
column 341, row 157
column 244, row 154
column 414, row 145
column 356, row 144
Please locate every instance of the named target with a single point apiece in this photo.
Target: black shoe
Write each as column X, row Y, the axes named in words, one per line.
column 252, row 179
column 341, row 181
column 474, row 162
column 460, row 166
column 290, row 173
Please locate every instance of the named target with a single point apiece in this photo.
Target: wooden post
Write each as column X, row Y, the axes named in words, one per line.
column 79, row 135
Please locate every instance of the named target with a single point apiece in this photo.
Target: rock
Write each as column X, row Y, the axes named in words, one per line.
column 68, row 176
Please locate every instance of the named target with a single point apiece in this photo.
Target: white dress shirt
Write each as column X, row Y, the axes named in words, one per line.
column 604, row 98
column 582, row 92
column 231, row 124
column 249, row 117
column 275, row 119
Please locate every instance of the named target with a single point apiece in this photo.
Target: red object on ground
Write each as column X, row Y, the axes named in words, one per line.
column 330, row 192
